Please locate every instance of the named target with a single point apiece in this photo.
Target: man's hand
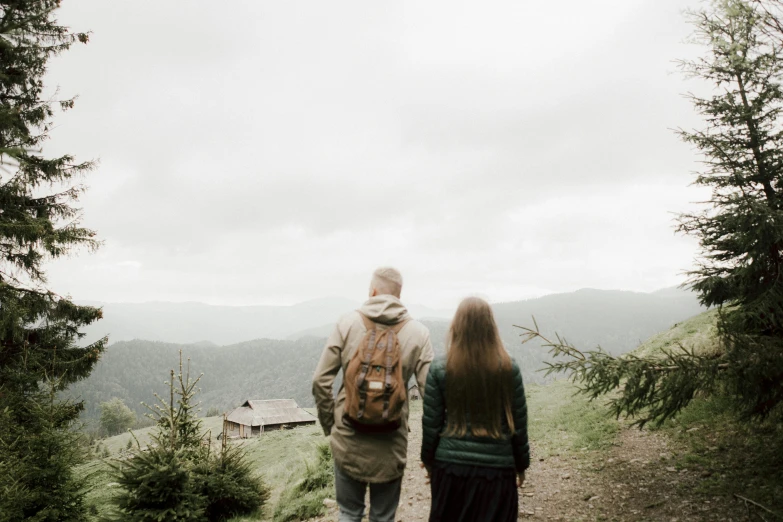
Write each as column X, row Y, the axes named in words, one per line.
column 520, row 479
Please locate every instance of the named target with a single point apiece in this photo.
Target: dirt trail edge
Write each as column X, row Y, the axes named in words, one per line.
column 636, row 479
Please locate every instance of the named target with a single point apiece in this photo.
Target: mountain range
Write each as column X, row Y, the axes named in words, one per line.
column 148, row 337
column 192, row 322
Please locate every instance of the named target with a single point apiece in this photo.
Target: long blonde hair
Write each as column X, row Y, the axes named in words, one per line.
column 478, row 374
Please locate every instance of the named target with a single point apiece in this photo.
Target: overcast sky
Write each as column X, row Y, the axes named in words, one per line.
column 274, row 152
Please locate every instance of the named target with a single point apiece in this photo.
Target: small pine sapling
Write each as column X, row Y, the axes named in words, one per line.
column 179, row 477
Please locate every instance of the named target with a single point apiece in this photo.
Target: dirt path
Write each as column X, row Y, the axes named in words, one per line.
column 636, row 479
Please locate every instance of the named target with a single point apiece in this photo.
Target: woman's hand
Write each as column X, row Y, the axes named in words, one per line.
column 520, row 479
column 428, row 470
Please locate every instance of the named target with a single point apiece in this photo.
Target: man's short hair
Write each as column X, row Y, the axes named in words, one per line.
column 387, row 280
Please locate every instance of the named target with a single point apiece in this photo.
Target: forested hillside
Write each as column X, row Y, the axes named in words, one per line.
column 274, row 369
column 261, row 369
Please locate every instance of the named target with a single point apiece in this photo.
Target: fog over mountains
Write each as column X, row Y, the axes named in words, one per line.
column 198, row 322
column 616, row 320
column 268, row 352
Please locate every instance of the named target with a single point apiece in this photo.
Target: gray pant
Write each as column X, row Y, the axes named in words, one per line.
column 350, row 498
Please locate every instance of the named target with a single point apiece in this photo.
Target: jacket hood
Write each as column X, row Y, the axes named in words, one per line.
column 384, row 309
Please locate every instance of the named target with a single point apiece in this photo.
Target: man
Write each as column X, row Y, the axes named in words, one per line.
column 361, row 458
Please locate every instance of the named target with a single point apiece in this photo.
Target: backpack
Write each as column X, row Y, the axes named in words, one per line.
column 374, row 389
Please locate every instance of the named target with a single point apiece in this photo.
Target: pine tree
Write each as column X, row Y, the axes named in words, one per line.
column 177, row 418
column 41, row 455
column 740, row 233
column 38, row 328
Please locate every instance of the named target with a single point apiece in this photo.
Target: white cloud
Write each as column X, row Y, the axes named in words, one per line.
column 275, row 152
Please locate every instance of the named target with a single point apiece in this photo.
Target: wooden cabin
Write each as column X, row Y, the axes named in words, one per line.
column 255, row 417
column 413, row 392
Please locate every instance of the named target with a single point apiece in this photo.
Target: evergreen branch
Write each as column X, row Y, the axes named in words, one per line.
column 650, row 388
column 559, row 347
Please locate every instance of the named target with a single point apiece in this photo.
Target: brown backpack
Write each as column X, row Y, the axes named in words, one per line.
column 374, row 389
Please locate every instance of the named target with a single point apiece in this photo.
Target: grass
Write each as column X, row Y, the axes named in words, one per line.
column 733, row 457
column 304, row 498
column 560, row 420
column 697, row 333
column 283, row 457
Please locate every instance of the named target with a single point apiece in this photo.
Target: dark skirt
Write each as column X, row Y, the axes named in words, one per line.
column 473, row 494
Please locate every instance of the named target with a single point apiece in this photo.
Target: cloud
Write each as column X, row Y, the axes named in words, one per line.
column 274, row 152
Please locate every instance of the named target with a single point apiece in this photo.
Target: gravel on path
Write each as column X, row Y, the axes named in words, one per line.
column 635, row 480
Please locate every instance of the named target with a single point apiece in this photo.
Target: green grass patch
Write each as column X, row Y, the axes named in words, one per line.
column 730, row 456
column 733, row 457
column 304, row 498
column 697, row 333
column 282, row 457
column 101, row 487
column 561, row 420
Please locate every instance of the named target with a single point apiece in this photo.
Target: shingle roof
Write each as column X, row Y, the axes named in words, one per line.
column 266, row 413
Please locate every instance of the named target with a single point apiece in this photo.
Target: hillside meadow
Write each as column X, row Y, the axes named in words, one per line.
column 560, row 422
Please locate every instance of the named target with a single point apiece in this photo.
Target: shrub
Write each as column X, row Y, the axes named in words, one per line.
column 116, row 417
column 229, row 484
column 158, row 486
column 179, row 478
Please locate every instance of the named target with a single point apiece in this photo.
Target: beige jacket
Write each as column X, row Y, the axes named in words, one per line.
column 369, row 457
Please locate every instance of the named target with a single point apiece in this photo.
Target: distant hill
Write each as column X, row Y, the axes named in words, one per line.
column 275, row 368
column 188, row 323
column 319, row 332
column 616, row 320
column 591, row 314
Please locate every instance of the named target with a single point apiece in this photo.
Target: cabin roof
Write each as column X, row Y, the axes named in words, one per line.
column 267, row 413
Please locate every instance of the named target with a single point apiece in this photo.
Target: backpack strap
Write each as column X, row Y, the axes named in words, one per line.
column 391, row 340
column 397, row 327
column 369, row 324
column 365, row 363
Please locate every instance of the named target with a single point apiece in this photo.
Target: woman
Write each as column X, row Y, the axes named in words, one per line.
column 475, row 423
